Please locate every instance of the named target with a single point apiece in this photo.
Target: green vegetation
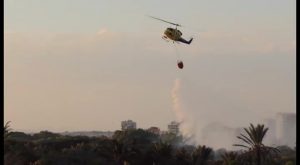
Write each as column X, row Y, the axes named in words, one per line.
column 135, row 147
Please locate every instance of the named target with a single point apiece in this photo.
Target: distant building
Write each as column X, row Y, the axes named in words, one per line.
column 173, row 127
column 163, row 132
column 286, row 129
column 128, row 124
column 154, row 130
column 270, row 137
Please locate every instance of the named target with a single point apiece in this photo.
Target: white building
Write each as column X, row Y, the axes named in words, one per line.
column 128, row 124
column 286, row 129
column 173, row 127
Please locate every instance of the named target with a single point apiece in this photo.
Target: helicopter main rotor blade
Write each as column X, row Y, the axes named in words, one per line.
column 164, row 21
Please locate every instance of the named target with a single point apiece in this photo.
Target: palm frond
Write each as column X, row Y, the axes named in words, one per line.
column 240, row 145
column 251, row 135
column 246, row 139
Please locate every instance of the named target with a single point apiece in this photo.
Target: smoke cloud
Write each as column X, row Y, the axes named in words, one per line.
column 201, row 131
column 203, row 120
column 182, row 116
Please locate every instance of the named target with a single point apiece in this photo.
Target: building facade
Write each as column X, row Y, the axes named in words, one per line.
column 173, row 127
column 127, row 125
column 286, row 129
column 270, row 137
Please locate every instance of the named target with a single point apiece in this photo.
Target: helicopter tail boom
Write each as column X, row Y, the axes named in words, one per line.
column 185, row 41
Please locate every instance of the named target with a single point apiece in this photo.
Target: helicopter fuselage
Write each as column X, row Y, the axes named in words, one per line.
column 173, row 34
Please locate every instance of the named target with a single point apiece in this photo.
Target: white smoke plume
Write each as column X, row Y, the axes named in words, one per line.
column 204, row 130
column 185, row 120
column 180, row 115
column 206, row 118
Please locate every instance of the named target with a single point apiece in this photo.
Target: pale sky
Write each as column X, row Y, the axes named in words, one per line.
column 73, row 65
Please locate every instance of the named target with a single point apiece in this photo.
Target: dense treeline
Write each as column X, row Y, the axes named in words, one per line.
column 137, row 147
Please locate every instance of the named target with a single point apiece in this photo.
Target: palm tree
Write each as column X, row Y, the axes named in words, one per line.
column 253, row 139
column 201, row 155
column 7, row 130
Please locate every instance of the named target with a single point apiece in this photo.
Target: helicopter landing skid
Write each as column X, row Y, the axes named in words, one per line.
column 165, row 38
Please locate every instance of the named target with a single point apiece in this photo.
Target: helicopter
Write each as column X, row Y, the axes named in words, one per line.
column 173, row 34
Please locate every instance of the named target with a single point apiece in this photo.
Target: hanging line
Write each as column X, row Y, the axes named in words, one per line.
column 177, row 52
